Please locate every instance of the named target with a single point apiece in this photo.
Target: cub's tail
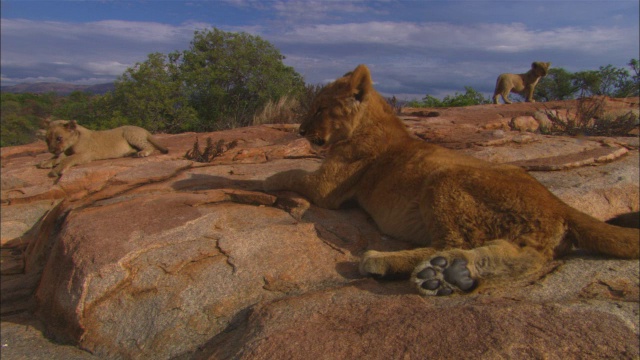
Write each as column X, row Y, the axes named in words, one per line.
column 155, row 143
column 589, row 233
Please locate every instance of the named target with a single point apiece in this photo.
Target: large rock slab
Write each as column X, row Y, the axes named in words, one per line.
column 177, row 266
column 358, row 322
column 163, row 257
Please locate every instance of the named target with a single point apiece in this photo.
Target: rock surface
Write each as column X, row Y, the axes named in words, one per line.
column 166, row 258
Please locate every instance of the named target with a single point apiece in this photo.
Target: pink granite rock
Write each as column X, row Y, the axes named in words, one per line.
column 163, row 257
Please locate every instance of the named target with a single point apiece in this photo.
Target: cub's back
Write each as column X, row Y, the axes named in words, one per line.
column 112, row 143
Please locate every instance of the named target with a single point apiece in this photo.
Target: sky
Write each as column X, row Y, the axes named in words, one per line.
column 412, row 47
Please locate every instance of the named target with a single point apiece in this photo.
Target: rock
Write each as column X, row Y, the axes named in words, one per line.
column 163, row 257
column 17, row 220
column 524, row 123
column 359, row 323
column 22, row 339
column 543, row 119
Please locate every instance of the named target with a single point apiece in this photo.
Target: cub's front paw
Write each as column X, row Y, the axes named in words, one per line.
column 439, row 276
column 373, row 264
column 54, row 174
column 270, row 183
column 143, row 153
column 280, row 181
column 47, row 164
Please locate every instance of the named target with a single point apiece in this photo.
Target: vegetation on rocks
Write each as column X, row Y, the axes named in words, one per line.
column 561, row 84
column 227, row 80
column 590, row 118
column 470, row 97
column 220, row 82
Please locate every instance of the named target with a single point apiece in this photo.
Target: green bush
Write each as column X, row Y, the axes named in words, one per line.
column 470, row 97
column 590, row 118
column 608, row 80
column 21, row 116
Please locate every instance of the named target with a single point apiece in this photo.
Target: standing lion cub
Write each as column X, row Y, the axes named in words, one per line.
column 524, row 84
column 73, row 144
column 473, row 221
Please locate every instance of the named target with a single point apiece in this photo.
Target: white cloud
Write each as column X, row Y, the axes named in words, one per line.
column 9, row 80
column 80, row 51
column 439, row 58
column 405, row 57
column 297, row 10
column 300, row 11
column 130, row 31
column 500, row 38
column 108, row 68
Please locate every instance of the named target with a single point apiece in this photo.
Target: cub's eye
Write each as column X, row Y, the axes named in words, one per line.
column 59, row 139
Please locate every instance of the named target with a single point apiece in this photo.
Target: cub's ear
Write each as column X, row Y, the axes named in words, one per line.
column 71, row 125
column 360, row 81
column 45, row 122
column 534, row 65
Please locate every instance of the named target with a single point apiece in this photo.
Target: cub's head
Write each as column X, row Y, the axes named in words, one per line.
column 337, row 110
column 540, row 68
column 61, row 135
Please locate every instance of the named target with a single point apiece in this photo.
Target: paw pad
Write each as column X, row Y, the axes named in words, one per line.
column 441, row 278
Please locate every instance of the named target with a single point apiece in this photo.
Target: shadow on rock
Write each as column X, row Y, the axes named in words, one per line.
column 209, row 182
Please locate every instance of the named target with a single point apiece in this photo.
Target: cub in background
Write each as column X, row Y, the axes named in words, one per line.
column 523, row 84
column 72, row 144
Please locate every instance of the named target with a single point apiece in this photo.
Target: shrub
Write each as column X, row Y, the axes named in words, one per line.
column 470, row 97
column 288, row 109
column 282, row 111
column 589, row 119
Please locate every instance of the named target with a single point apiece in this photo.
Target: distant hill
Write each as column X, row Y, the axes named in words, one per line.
column 58, row 88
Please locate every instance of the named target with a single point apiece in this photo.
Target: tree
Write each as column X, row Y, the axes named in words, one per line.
column 608, row 80
column 218, row 83
column 152, row 95
column 630, row 86
column 230, row 75
column 557, row 85
column 21, row 115
column 470, row 97
column 635, row 66
column 77, row 106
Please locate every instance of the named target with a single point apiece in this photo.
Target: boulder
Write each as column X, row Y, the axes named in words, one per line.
column 524, row 123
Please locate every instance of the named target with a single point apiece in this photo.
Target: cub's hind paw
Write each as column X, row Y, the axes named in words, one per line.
column 439, row 276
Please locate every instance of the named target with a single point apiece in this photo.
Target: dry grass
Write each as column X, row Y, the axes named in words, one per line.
column 395, row 104
column 282, row 111
column 590, row 119
column 210, row 151
column 288, row 109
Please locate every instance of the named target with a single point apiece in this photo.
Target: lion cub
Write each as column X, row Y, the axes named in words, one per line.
column 73, row 144
column 472, row 220
column 523, row 84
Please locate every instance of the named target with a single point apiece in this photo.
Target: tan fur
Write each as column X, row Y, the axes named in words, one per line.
column 497, row 218
column 523, row 84
column 73, row 144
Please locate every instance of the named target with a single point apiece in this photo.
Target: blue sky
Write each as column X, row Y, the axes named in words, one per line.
column 412, row 47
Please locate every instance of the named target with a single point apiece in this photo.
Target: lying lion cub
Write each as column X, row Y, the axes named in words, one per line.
column 473, row 220
column 73, row 144
column 523, row 84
